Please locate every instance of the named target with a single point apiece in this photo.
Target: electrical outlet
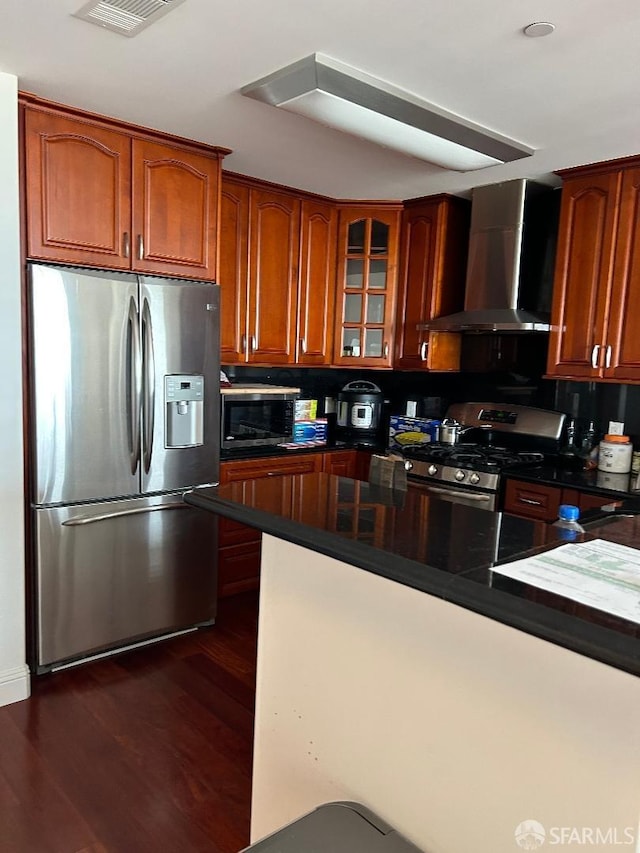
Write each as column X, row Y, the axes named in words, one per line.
column 616, row 428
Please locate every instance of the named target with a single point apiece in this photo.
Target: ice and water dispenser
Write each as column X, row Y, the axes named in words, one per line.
column 184, row 410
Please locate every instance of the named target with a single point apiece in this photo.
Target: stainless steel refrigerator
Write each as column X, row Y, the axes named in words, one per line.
column 124, row 388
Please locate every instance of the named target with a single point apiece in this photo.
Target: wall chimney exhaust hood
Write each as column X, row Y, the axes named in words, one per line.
column 512, row 247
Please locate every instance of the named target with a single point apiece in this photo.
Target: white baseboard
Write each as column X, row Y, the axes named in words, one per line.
column 15, row 685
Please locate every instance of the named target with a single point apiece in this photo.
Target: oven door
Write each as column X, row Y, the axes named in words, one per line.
column 458, row 494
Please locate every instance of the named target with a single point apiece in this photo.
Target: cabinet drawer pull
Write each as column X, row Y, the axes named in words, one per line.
column 303, row 345
column 126, row 244
column 140, row 247
column 424, row 346
column 530, row 501
column 607, row 356
column 595, row 352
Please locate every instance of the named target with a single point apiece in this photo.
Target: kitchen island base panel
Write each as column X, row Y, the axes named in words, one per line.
column 453, row 727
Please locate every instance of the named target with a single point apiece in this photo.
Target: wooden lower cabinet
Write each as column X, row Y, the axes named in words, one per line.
column 540, row 502
column 238, row 567
column 239, row 545
column 342, row 463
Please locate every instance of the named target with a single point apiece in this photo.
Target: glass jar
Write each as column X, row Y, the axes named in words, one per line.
column 615, row 454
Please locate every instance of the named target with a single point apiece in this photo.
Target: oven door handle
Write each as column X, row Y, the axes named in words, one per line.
column 460, row 493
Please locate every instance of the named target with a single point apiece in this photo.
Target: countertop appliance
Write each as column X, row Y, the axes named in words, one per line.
column 512, row 247
column 257, row 415
column 360, row 405
column 509, row 438
column 124, row 393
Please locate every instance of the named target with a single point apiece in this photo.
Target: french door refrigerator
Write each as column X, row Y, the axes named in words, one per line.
column 124, row 388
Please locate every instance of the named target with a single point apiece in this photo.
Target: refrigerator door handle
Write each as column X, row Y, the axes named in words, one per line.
column 135, row 385
column 149, row 385
column 105, row 516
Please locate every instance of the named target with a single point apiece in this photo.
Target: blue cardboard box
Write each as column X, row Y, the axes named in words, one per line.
column 404, row 431
column 315, row 430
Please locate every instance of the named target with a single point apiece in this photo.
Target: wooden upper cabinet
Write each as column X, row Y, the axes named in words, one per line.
column 595, row 329
column 233, row 265
column 103, row 193
column 624, row 326
column 78, row 188
column 583, row 274
column 316, row 291
column 435, row 235
column 175, row 206
column 368, row 239
column 274, row 240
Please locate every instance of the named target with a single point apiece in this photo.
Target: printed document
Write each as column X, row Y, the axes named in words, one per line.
column 601, row 574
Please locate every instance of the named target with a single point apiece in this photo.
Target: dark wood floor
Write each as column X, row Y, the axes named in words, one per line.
column 149, row 750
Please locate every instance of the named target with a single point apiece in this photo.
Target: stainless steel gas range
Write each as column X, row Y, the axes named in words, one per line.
column 509, row 438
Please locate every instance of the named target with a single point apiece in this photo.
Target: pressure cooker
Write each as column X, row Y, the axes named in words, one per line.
column 360, row 405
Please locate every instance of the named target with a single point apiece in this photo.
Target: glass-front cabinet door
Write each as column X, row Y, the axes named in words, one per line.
column 366, row 291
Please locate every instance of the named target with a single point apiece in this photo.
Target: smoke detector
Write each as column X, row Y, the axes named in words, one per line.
column 127, row 17
column 539, row 29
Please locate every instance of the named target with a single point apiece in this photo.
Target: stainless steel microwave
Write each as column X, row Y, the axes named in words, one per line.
column 257, row 415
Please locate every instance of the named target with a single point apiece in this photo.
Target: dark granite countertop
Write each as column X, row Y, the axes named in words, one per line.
column 619, row 486
column 435, row 546
column 274, row 450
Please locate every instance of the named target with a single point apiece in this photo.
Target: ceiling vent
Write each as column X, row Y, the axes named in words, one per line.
column 127, row 17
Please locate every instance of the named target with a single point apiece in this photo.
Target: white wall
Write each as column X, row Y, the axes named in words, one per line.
column 14, row 674
column 452, row 727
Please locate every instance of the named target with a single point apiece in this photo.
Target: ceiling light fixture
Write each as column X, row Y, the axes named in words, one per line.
column 344, row 98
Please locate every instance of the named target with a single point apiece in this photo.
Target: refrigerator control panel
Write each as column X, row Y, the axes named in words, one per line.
column 184, row 410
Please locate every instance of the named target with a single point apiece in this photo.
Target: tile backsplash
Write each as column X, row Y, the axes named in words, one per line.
column 584, row 401
column 601, row 403
column 434, row 390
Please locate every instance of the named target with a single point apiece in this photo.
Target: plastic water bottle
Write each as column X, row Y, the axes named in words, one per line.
column 570, row 528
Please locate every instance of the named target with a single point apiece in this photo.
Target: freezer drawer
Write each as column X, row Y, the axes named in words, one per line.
column 340, row 827
column 116, row 572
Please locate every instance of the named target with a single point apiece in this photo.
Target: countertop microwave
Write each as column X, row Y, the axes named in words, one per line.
column 257, row 415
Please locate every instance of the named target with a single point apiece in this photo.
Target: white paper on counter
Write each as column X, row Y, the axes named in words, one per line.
column 601, row 574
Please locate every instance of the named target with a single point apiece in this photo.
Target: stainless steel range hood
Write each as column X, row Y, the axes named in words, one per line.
column 511, row 255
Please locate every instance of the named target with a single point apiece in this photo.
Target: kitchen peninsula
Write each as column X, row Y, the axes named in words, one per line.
column 395, row 668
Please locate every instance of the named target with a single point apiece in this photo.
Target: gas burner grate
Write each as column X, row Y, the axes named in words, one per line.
column 473, row 456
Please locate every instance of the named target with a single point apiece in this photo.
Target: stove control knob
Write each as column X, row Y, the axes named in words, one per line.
column 408, row 465
column 459, row 475
column 474, row 478
column 432, row 470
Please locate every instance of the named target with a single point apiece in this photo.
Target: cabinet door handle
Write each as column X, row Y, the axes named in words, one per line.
column 140, row 247
column 530, row 501
column 607, row 356
column 243, row 343
column 595, row 352
column 424, row 346
column 253, row 343
column 385, row 350
column 303, row 345
column 126, row 244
